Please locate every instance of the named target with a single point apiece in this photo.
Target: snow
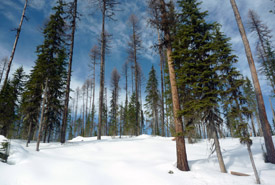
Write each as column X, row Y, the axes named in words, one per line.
column 142, row 160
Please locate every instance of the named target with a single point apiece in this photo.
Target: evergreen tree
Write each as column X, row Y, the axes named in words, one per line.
column 153, row 100
column 114, row 103
column 10, row 105
column 50, row 65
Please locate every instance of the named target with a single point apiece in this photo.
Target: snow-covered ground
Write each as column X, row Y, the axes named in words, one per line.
column 142, row 160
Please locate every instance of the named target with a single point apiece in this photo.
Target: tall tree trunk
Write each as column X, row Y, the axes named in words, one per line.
column 182, row 163
column 15, row 44
column 102, row 72
column 67, row 97
column 41, row 126
column 162, row 93
column 262, row 113
column 136, row 84
column 87, row 124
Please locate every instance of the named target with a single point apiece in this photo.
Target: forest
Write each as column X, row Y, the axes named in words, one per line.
column 193, row 91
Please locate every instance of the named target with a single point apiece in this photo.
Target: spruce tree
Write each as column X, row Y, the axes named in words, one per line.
column 152, row 100
column 50, row 65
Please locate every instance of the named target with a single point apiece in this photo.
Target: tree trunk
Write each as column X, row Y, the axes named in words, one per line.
column 262, row 112
column 67, row 97
column 253, row 164
column 162, row 93
column 15, row 44
column 218, row 150
column 253, row 126
column 41, row 126
column 182, row 163
column 102, row 72
column 259, row 124
column 136, row 85
column 273, row 114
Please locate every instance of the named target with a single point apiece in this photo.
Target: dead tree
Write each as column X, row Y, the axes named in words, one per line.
column 134, row 48
column 67, row 96
column 107, row 8
column 161, row 77
column 261, row 106
column 18, row 30
column 94, row 55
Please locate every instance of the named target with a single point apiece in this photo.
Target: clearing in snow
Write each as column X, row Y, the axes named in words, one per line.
column 142, row 160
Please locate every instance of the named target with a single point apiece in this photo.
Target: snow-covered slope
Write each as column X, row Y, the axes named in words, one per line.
column 142, row 160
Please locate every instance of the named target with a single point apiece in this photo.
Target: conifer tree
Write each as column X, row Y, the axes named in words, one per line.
column 114, row 103
column 152, row 100
column 10, row 104
column 51, row 65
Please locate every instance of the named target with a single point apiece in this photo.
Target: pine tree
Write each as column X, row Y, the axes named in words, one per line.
column 114, row 103
column 152, row 100
column 50, row 65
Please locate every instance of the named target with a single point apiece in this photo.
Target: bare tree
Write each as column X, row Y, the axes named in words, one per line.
column 264, row 36
column 94, row 55
column 107, row 8
column 161, row 77
column 67, row 96
column 134, row 49
column 115, row 77
column 162, row 18
column 261, row 106
column 18, row 30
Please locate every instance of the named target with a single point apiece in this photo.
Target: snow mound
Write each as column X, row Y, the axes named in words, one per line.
column 17, row 154
column 2, row 138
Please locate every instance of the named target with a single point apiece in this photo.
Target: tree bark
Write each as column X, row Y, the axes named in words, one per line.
column 261, row 107
column 15, row 44
column 253, row 126
column 218, row 150
column 67, row 97
column 182, row 163
column 162, row 93
column 273, row 114
column 253, row 164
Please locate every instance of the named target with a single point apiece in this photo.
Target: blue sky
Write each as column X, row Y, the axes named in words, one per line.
column 89, row 27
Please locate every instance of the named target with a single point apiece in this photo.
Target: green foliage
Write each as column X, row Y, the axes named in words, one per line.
column 51, row 66
column 152, row 100
column 4, row 151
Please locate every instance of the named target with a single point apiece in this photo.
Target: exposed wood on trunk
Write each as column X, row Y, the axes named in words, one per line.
column 261, row 107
